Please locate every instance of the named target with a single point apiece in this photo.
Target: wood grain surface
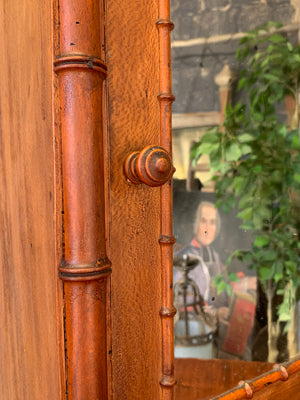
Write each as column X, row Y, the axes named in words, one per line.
column 133, row 86
column 205, row 379
column 29, row 357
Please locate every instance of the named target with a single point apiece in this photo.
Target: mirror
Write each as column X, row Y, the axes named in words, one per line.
column 236, row 269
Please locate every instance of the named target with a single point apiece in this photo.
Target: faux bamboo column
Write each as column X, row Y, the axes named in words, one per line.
column 85, row 267
column 166, row 240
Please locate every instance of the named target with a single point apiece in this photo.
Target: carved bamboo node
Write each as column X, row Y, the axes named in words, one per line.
column 248, row 389
column 283, row 370
column 164, row 239
column 167, row 312
column 166, row 96
column 88, row 272
column 167, row 381
column 163, row 22
column 152, row 166
column 80, row 61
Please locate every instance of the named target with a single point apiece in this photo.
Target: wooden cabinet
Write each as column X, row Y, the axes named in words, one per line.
column 86, row 256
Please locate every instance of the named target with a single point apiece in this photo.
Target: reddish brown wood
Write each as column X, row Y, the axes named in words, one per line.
column 281, row 390
column 30, row 360
column 58, row 196
column 134, row 213
column 166, row 240
column 274, row 384
column 85, row 266
column 31, row 199
column 204, row 379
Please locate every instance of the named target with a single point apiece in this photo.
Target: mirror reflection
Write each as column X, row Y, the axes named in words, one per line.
column 237, row 181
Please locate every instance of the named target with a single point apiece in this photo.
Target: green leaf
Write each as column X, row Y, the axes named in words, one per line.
column 247, row 226
column 245, row 201
column 228, row 204
column 232, row 276
column 218, row 203
column 241, row 83
column 278, row 277
column 265, row 273
column 236, row 254
column 210, row 137
column 246, row 138
column 229, row 290
column 217, row 280
column 221, row 286
column 224, row 183
column 257, row 168
column 195, row 153
column 262, row 212
column 247, row 257
column 244, row 40
column 261, row 241
column 295, row 141
column 284, row 317
column 290, row 266
column 238, row 184
column 272, row 78
column 282, row 130
column 269, row 255
column 245, row 214
column 207, row 148
column 246, row 149
column 278, row 267
column 215, row 166
column 277, row 38
column 297, row 178
column 225, row 167
column 233, row 152
column 276, row 176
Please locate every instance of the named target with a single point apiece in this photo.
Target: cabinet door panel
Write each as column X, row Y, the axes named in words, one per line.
column 28, row 278
column 134, row 224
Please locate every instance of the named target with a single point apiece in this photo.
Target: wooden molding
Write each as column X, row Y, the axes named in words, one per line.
column 293, row 27
column 194, row 120
column 85, row 267
column 166, row 240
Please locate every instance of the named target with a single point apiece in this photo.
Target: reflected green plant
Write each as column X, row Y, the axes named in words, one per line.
column 255, row 161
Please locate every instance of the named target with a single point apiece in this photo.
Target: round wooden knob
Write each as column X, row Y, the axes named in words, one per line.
column 152, row 166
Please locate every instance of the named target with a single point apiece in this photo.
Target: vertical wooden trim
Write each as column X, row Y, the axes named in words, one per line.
column 58, row 203
column 166, row 240
column 85, row 267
